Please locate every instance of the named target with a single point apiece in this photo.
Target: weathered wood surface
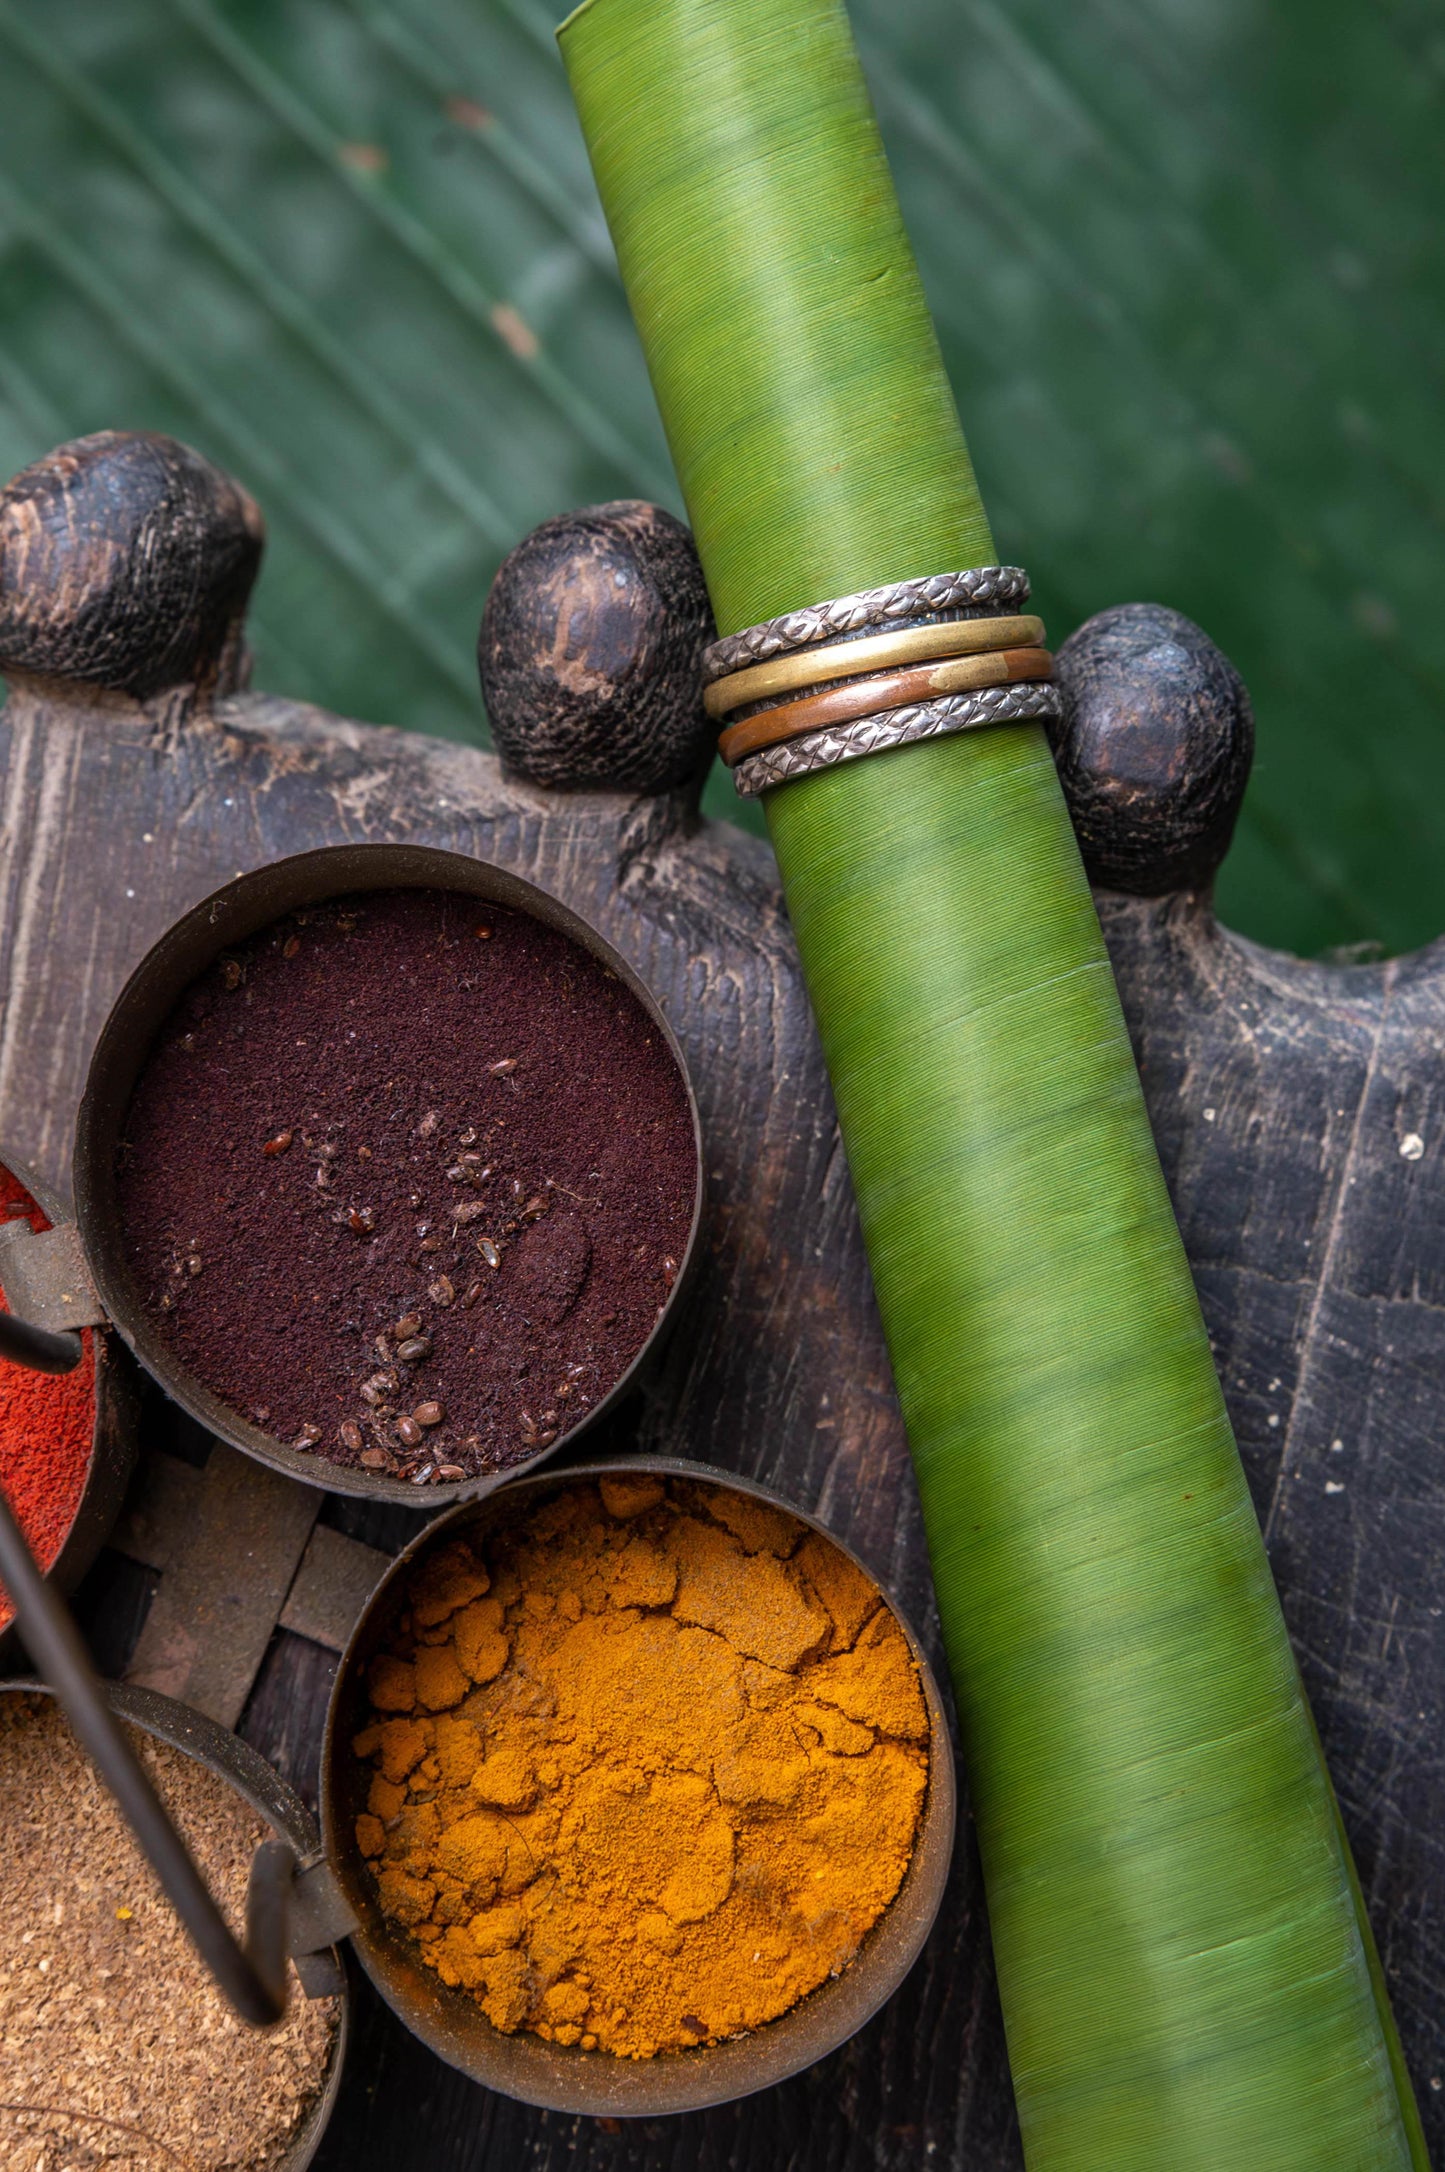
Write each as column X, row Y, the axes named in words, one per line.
column 1298, row 1109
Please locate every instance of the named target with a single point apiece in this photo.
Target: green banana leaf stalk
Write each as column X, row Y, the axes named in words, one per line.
column 1187, row 1976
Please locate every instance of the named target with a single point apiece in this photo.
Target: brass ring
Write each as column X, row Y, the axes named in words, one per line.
column 874, row 697
column 874, row 652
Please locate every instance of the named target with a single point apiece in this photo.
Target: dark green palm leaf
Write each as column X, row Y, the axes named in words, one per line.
column 1183, row 254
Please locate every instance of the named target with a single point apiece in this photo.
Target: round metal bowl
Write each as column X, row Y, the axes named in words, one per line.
column 569, row 2079
column 113, row 1436
column 248, row 1773
column 241, row 909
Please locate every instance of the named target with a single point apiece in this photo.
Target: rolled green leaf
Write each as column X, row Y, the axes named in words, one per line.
column 1187, row 1979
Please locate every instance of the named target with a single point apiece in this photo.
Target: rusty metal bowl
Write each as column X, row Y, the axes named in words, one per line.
column 242, row 909
column 569, row 2079
column 248, row 1773
column 113, row 1435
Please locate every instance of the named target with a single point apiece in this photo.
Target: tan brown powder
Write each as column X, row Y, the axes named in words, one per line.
column 647, row 1764
column 115, row 2048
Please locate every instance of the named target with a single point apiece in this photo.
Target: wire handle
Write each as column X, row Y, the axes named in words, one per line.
column 36, row 1348
column 253, row 1978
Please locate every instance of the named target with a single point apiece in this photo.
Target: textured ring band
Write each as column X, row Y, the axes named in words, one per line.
column 895, row 728
column 907, row 644
column 849, row 699
column 982, row 588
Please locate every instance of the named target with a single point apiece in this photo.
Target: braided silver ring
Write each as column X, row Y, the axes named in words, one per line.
column 1029, row 702
column 983, row 588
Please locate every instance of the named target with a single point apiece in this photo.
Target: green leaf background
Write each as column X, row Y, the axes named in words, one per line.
column 1184, row 255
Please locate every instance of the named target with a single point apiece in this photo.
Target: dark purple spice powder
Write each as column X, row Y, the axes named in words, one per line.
column 406, row 1180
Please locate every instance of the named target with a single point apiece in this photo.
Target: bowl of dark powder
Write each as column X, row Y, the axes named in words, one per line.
column 118, row 2047
column 389, row 1170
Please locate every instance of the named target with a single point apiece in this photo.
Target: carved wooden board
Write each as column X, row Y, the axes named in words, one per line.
column 1300, row 1111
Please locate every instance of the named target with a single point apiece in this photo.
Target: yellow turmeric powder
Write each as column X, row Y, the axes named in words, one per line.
column 647, row 1760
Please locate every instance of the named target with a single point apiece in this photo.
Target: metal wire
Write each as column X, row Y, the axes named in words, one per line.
column 36, row 1348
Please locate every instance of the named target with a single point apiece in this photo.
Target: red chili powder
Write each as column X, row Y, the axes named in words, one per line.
column 47, row 1423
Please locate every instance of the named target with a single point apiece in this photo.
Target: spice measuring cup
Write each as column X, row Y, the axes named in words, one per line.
column 80, row 1274
column 570, row 2079
column 233, row 1762
column 293, row 1907
column 116, row 1403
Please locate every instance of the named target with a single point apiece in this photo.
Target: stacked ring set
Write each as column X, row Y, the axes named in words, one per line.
column 877, row 670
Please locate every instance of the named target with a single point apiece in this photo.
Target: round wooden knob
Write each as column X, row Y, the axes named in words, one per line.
column 126, row 561
column 1154, row 750
column 591, row 652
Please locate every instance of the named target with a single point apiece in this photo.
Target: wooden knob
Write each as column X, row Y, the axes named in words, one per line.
column 1154, row 750
column 591, row 652
column 125, row 562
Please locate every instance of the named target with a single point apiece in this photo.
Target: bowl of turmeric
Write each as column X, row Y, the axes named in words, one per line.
column 639, row 1786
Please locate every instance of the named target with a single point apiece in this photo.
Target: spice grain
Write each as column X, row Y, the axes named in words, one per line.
column 108, row 2019
column 646, row 1763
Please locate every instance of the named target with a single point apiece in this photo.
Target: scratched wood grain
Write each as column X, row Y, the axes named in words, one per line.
column 1298, row 1111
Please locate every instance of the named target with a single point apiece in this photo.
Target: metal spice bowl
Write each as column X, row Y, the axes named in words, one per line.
column 241, row 909
column 113, row 1434
column 595, row 2082
column 323, row 1971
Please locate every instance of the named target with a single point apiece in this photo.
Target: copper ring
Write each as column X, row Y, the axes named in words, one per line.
column 854, row 698
column 1025, row 704
column 915, row 644
column 981, row 589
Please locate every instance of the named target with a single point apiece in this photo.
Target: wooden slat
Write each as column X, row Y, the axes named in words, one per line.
column 221, row 1596
column 336, row 1577
column 160, row 1510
